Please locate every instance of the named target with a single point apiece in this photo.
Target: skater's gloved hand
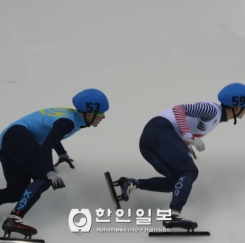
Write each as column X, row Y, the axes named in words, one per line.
column 197, row 142
column 192, row 151
column 65, row 158
column 56, row 181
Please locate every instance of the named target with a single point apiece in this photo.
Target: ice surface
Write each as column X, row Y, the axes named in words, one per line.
column 146, row 56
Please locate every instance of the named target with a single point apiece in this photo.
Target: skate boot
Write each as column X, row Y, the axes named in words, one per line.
column 14, row 223
column 128, row 186
column 179, row 222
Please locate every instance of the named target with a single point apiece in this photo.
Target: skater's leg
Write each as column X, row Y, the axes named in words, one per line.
column 175, row 154
column 30, row 196
column 183, row 187
column 158, row 184
column 16, row 180
column 18, row 186
column 22, row 148
column 149, row 144
column 174, row 158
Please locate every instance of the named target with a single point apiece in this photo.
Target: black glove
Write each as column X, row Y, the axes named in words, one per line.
column 65, row 158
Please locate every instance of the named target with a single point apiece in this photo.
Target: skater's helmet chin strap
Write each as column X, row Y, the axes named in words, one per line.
column 236, row 115
column 94, row 116
column 233, row 112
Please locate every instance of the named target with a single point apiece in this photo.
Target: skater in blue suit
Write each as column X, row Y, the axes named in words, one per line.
column 26, row 152
column 166, row 144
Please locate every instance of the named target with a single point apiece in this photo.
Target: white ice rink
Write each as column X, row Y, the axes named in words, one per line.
column 146, row 56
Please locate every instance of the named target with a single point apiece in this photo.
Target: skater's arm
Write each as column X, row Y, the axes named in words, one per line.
column 59, row 149
column 60, row 128
column 204, row 111
column 63, row 156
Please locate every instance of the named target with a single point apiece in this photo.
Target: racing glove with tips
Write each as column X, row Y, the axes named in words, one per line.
column 197, row 142
column 56, row 181
column 65, row 158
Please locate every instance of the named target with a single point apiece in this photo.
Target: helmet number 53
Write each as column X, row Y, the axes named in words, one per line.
column 93, row 107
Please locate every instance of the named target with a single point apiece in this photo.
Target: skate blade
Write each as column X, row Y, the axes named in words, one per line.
column 115, row 198
column 179, row 234
column 19, row 240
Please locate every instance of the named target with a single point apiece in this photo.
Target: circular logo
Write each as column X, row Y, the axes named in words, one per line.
column 82, row 222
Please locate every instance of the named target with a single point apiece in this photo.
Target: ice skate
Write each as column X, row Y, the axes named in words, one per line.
column 15, row 223
column 111, row 185
column 179, row 222
column 128, row 186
